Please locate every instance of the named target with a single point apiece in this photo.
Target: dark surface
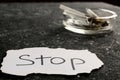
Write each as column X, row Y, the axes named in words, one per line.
column 114, row 2
column 24, row 25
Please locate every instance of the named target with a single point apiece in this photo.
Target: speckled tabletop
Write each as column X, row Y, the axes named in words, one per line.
column 24, row 25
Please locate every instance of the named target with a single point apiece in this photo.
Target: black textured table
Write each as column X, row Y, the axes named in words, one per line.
column 24, row 25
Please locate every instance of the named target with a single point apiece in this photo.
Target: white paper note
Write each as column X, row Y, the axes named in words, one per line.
column 49, row 61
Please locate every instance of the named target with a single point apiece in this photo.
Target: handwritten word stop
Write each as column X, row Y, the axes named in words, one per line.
column 49, row 61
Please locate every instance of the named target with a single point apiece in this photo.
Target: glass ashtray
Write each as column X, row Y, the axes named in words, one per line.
column 91, row 22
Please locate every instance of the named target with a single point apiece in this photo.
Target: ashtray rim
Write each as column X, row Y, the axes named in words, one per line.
column 80, row 30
